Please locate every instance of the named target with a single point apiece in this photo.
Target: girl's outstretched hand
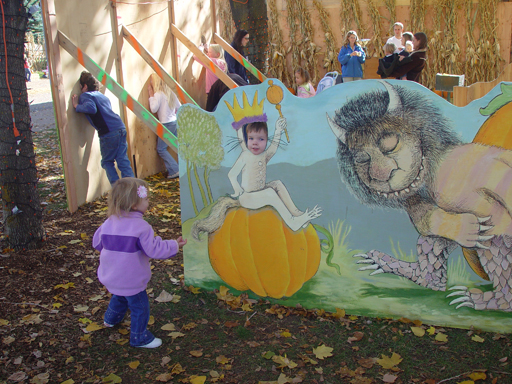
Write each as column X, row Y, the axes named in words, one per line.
column 181, row 241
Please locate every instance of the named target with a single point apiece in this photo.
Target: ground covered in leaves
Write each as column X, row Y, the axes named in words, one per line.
column 51, row 308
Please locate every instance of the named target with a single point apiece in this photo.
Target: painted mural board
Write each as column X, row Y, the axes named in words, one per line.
column 377, row 197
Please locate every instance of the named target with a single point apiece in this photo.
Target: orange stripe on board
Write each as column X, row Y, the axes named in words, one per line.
column 129, row 102
column 80, row 55
column 212, row 67
column 158, row 70
column 135, row 44
column 160, row 130
column 104, row 79
column 181, row 95
column 260, row 77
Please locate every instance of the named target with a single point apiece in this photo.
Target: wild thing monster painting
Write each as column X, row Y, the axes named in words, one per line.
column 397, row 151
column 270, row 160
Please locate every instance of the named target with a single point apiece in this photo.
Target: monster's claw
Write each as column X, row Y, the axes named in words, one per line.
column 478, row 245
column 459, row 300
column 361, row 255
column 377, row 272
column 485, row 238
column 365, row 261
column 457, row 287
column 373, row 266
column 456, row 293
column 483, row 219
column 485, row 228
column 466, row 304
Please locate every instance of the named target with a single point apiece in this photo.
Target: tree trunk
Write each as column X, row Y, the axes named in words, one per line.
column 252, row 16
column 22, row 213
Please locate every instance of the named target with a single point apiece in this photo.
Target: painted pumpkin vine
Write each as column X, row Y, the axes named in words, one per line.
column 258, row 239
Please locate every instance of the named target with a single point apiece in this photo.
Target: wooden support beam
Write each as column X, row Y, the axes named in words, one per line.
column 238, row 57
column 138, row 109
column 173, row 43
column 157, row 67
column 205, row 60
column 213, row 17
column 59, row 99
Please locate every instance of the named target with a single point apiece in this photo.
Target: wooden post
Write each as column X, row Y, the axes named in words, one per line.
column 213, row 12
column 205, row 60
column 59, row 98
column 137, row 108
column 238, row 57
column 174, row 50
column 157, row 67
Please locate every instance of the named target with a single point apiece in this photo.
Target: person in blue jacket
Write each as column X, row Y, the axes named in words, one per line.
column 111, row 130
column 240, row 40
column 351, row 57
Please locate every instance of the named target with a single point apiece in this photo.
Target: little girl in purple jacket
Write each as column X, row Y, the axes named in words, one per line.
column 126, row 243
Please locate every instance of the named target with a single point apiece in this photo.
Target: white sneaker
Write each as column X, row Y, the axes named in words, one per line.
column 154, row 344
column 107, row 325
column 174, row 176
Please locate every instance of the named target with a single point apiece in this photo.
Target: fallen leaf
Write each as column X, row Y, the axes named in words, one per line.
column 339, row 313
column 56, row 305
column 356, row 337
column 94, row 327
column 42, row 378
column 80, row 308
column 223, row 359
column 322, row 352
column 286, row 334
column 69, row 381
column 197, row 379
column 165, row 361
column 134, row 364
column 431, row 330
column 503, row 359
column 194, row 290
column 477, row 376
column 284, row 362
column 198, row 353
column 164, row 377
column 122, row 341
column 389, row 378
column 177, row 369
column 418, row 331
column 8, row 340
column 389, row 362
column 151, row 320
column 18, row 376
column 441, row 337
column 478, row 339
column 4, row 322
column 164, row 297
column 111, row 379
column 74, row 241
column 367, row 363
column 268, row 355
column 168, row 327
column 175, row 335
column 231, row 324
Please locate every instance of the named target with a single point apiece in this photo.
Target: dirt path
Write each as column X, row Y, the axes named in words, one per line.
column 41, row 104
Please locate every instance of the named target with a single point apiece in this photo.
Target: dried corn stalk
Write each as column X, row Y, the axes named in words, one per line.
column 418, row 13
column 292, row 25
column 391, row 7
column 331, row 47
column 375, row 44
column 350, row 13
column 473, row 68
column 489, row 47
column 309, row 50
column 227, row 18
column 277, row 67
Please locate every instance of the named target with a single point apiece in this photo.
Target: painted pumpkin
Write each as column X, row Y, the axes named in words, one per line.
column 255, row 249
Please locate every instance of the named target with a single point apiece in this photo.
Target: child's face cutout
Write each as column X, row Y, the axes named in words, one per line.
column 257, row 141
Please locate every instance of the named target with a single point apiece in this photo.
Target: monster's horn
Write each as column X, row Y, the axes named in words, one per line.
column 337, row 130
column 395, row 104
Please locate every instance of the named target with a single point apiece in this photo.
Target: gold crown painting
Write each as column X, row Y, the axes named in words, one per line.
column 247, row 113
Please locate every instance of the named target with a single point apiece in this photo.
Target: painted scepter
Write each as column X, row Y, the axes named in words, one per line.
column 275, row 96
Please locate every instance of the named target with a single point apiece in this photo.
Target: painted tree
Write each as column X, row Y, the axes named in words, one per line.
column 22, row 213
column 200, row 141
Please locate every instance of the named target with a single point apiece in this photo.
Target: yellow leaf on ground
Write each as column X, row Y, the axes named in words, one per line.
column 70, row 381
column 65, row 286
column 111, row 379
column 366, row 363
column 134, row 364
column 174, row 335
column 8, row 340
column 389, row 362
column 431, row 330
column 42, row 378
column 322, row 352
column 477, row 376
column 84, row 320
column 80, row 308
column 168, row 327
column 194, row 290
column 478, row 339
column 222, row 359
column 284, row 362
column 70, row 359
column 4, row 322
column 466, row 382
column 74, row 241
column 164, row 297
column 352, row 317
column 246, row 307
column 151, row 320
column 418, row 331
column 285, row 333
column 441, row 337
column 94, row 327
column 176, row 299
column 198, row 353
column 177, row 369
column 283, row 379
column 164, row 377
column 339, row 313
column 56, row 305
column 89, row 280
column 197, row 379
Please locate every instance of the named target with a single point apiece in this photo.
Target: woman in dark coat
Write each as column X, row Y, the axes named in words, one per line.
column 240, row 40
column 412, row 65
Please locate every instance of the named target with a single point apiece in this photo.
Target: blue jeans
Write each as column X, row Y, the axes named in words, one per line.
column 161, row 147
column 139, row 308
column 113, row 147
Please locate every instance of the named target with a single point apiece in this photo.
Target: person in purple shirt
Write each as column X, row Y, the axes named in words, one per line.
column 111, row 130
column 127, row 243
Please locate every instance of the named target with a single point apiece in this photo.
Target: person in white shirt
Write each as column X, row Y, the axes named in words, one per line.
column 397, row 38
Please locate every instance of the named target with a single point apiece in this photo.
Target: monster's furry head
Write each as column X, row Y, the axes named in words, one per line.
column 389, row 142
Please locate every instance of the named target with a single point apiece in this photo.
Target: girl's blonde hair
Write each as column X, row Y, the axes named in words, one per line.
column 124, row 196
column 350, row 33
column 219, row 54
column 160, row 86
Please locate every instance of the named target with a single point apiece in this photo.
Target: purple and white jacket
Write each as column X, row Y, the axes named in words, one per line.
column 126, row 244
